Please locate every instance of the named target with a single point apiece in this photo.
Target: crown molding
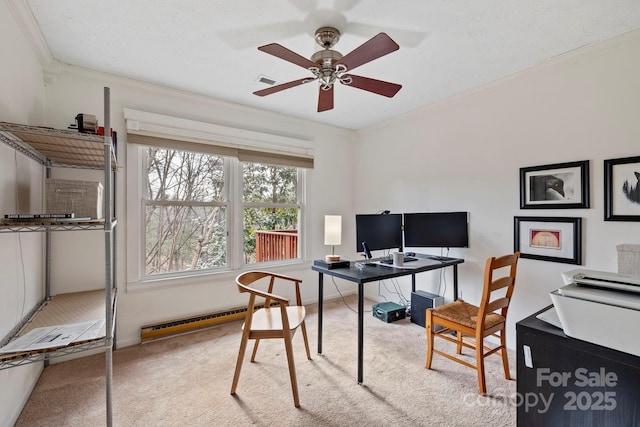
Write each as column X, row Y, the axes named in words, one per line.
column 27, row 23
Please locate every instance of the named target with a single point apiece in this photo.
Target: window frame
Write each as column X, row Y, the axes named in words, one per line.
column 145, row 202
column 135, row 194
column 300, row 202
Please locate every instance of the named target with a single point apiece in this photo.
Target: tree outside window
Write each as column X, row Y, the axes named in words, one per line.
column 271, row 211
column 188, row 202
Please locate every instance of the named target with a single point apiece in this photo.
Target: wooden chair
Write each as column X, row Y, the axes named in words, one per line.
column 477, row 322
column 279, row 320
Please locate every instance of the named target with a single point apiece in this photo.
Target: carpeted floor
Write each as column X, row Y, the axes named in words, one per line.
column 185, row 381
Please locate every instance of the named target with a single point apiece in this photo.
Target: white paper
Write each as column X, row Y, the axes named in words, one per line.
column 49, row 337
column 92, row 332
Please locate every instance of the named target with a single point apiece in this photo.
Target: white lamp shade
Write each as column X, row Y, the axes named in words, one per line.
column 332, row 229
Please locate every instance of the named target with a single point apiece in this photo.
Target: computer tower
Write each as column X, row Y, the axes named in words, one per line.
column 420, row 301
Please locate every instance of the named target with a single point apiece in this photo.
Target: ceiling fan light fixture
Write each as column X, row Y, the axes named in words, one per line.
column 328, row 73
column 329, row 66
column 326, row 57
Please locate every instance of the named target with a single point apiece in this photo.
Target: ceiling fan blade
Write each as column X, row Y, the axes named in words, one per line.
column 288, row 55
column 325, row 99
column 374, row 48
column 372, row 85
column 283, row 86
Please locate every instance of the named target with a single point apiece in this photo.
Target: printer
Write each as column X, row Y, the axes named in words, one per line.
column 600, row 307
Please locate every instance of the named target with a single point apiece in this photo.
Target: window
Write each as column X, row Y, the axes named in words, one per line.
column 185, row 211
column 205, row 198
column 270, row 213
column 189, row 202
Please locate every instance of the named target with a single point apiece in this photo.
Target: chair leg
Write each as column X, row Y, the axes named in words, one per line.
column 241, row 351
column 459, row 345
column 482, row 385
column 429, row 329
column 292, row 369
column 255, row 350
column 505, row 359
column 306, row 340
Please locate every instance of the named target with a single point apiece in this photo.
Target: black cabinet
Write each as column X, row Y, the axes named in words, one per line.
column 570, row 382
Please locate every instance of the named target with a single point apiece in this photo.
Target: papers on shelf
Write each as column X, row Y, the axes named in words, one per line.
column 54, row 336
column 16, row 216
column 43, row 220
column 92, row 332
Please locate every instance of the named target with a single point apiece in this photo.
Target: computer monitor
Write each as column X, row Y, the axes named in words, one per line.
column 436, row 230
column 381, row 232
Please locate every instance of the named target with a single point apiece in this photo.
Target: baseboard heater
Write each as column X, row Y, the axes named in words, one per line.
column 191, row 324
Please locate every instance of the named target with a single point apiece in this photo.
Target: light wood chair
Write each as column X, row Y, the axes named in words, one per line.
column 473, row 323
column 276, row 320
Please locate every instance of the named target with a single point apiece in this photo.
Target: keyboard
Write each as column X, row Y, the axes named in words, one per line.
column 406, row 259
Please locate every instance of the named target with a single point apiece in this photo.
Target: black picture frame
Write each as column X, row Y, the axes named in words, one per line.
column 555, row 239
column 622, row 189
column 555, row 186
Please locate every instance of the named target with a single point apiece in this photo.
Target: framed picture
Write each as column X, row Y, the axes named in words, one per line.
column 622, row 189
column 556, row 239
column 556, row 186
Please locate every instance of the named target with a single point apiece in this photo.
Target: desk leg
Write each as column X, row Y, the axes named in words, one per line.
column 360, row 330
column 320, row 301
column 455, row 282
column 413, row 283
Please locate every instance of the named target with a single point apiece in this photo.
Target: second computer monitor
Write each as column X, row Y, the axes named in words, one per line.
column 436, row 230
column 381, row 232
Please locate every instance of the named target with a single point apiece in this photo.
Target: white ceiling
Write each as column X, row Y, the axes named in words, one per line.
column 209, row 47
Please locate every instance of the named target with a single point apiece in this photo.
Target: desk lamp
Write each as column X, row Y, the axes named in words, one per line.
column 332, row 235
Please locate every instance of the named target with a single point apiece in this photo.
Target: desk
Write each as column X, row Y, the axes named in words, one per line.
column 373, row 274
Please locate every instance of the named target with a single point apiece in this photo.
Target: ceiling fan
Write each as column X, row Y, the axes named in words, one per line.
column 329, row 66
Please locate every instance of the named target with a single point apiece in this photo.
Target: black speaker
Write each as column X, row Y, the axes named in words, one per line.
column 420, row 301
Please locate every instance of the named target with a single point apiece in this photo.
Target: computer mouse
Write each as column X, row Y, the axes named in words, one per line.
column 410, row 254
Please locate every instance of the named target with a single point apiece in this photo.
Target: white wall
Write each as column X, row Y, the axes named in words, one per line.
column 21, row 100
column 465, row 154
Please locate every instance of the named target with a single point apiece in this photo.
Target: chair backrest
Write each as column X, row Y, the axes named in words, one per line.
column 499, row 273
column 245, row 283
column 246, row 280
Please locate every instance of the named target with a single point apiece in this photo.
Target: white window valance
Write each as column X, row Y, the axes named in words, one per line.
column 172, row 132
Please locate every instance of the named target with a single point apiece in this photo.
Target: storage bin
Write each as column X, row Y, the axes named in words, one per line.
column 83, row 198
column 629, row 259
